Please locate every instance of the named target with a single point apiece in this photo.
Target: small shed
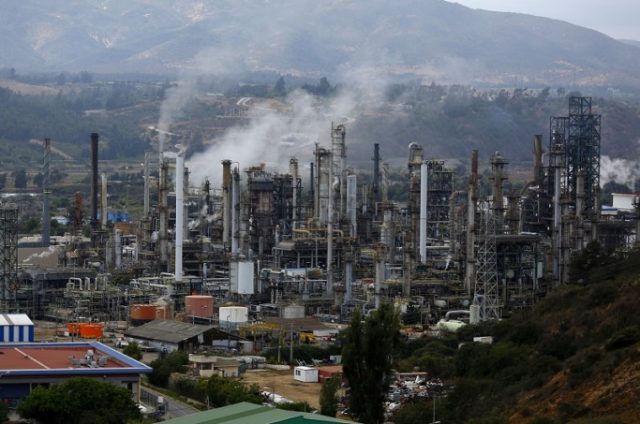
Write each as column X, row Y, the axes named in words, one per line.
column 326, row 372
column 16, row 328
column 305, row 374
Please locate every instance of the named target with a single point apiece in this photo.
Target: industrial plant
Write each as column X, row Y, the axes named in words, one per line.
column 269, row 246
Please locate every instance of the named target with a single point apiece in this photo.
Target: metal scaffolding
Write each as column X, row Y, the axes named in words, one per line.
column 487, row 290
column 8, row 255
column 580, row 134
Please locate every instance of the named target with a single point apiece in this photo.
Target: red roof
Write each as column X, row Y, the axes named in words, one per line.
column 44, row 357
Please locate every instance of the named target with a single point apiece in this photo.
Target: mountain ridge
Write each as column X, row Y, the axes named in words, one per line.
column 431, row 39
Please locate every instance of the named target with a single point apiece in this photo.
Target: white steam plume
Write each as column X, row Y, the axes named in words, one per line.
column 272, row 136
column 621, row 171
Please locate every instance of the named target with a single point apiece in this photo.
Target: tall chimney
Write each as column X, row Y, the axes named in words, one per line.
column 424, row 184
column 179, row 229
column 375, row 187
column 312, row 189
column 226, row 202
column 293, row 170
column 46, row 220
column 472, row 195
column 147, row 156
column 103, row 201
column 537, row 159
column 94, row 181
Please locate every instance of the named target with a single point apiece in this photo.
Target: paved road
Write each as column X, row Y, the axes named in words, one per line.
column 176, row 408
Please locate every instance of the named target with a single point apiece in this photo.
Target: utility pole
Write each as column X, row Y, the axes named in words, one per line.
column 291, row 343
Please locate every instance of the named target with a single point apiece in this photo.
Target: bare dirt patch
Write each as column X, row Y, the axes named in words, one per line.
column 282, row 383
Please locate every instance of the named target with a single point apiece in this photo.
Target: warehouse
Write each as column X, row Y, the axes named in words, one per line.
column 167, row 335
column 27, row 365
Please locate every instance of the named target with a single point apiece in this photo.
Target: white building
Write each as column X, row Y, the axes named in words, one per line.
column 305, row 374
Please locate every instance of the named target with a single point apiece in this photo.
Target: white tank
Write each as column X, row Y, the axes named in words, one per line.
column 241, row 277
column 233, row 314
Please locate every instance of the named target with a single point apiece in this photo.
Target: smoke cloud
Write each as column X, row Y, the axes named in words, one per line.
column 273, row 135
column 622, row 171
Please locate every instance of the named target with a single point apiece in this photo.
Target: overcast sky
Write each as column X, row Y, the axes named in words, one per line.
column 616, row 18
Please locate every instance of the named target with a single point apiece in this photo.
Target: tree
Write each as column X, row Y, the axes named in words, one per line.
column 222, row 392
column 163, row 367
column 328, row 400
column 79, row 400
column 4, row 412
column 367, row 359
column 133, row 350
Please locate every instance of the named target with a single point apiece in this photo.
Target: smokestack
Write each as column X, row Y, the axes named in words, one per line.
column 311, row 189
column 103, row 201
column 376, row 173
column 94, row 181
column 470, row 268
column 330, row 230
column 118, row 247
column 235, row 211
column 498, row 164
column 537, row 159
column 46, row 220
column 226, row 201
column 424, row 175
column 557, row 163
column 147, row 157
column 352, row 207
column 163, row 216
column 293, row 170
column 179, row 229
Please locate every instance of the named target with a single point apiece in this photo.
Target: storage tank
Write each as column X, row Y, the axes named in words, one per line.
column 231, row 316
column 241, row 277
column 90, row 331
column 199, row 306
column 293, row 311
column 142, row 313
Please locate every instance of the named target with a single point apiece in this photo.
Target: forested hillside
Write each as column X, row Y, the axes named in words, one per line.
column 574, row 358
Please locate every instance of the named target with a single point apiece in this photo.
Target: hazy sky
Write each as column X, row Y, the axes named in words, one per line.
column 616, row 18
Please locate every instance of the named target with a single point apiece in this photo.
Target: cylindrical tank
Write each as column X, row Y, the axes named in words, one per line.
column 293, row 311
column 90, row 331
column 142, row 313
column 199, row 306
column 241, row 277
column 233, row 314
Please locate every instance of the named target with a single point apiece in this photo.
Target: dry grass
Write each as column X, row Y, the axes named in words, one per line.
column 282, row 383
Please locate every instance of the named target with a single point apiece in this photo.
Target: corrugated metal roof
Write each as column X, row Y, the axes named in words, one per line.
column 15, row 319
column 248, row 413
column 168, row 331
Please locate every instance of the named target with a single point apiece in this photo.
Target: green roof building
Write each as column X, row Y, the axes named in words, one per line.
column 249, row 413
